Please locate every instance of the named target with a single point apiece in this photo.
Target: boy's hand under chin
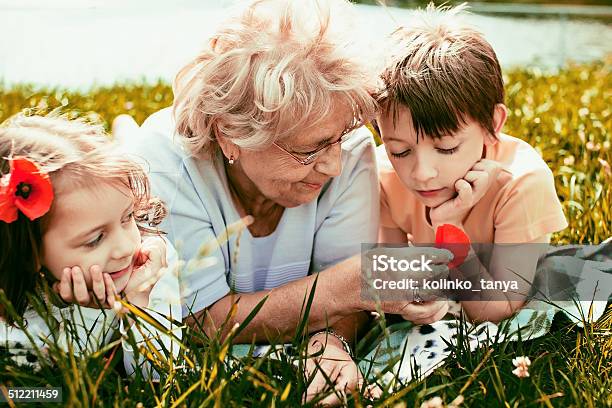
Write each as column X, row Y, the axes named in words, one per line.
column 470, row 189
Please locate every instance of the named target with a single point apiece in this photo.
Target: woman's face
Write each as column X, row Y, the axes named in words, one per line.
column 281, row 178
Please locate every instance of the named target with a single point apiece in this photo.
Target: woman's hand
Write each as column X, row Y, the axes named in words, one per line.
column 385, row 266
column 426, row 312
column 74, row 288
column 333, row 365
column 148, row 268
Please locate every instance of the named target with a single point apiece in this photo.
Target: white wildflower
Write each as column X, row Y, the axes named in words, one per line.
column 435, row 402
column 522, row 364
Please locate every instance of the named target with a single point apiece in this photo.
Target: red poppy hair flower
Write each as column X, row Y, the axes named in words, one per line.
column 24, row 189
column 455, row 240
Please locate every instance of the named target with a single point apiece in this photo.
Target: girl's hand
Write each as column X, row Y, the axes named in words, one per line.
column 470, row 189
column 333, row 364
column 74, row 288
column 148, row 268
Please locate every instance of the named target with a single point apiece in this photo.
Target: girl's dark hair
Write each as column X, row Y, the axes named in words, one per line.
column 74, row 154
column 20, row 244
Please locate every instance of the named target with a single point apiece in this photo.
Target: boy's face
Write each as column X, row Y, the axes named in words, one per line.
column 93, row 226
column 431, row 167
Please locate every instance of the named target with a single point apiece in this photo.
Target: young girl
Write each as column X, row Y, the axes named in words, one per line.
column 72, row 210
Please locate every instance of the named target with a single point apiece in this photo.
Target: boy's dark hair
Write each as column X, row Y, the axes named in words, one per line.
column 444, row 72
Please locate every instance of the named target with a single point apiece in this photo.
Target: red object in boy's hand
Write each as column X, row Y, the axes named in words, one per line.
column 455, row 240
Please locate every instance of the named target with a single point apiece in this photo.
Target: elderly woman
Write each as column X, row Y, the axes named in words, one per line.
column 264, row 124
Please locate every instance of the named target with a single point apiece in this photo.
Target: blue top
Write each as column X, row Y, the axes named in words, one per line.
column 308, row 238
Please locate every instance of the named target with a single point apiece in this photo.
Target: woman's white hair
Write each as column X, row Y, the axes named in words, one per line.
column 279, row 67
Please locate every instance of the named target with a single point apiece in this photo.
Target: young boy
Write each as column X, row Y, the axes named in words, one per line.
column 447, row 162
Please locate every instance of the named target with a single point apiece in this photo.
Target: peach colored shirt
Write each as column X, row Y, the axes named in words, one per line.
column 520, row 206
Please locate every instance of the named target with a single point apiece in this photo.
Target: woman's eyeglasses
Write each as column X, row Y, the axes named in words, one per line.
column 305, row 160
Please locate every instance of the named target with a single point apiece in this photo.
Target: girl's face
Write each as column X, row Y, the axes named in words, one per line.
column 93, row 226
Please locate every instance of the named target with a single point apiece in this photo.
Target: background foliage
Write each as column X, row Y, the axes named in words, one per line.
column 565, row 115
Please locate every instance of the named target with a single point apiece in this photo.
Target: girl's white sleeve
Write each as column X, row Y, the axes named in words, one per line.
column 78, row 329
column 165, row 307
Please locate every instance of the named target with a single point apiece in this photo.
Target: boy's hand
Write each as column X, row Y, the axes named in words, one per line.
column 74, row 288
column 470, row 189
column 148, row 268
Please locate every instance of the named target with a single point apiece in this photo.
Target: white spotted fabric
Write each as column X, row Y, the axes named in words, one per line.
column 414, row 352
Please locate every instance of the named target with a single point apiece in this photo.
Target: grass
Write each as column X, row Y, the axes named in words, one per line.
column 570, row 367
column 566, row 115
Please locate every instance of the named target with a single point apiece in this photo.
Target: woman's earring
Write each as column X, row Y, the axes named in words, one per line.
column 231, row 160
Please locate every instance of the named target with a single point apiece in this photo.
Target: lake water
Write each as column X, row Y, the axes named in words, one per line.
column 78, row 43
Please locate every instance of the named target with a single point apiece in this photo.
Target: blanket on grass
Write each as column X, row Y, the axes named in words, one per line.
column 406, row 351
column 582, row 273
